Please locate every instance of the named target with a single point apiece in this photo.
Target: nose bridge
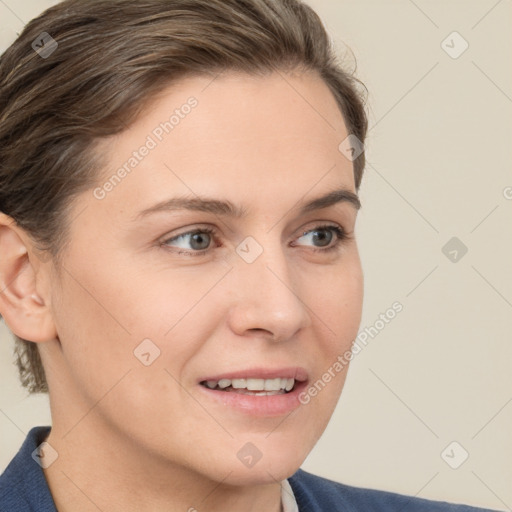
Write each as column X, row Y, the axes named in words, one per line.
column 268, row 293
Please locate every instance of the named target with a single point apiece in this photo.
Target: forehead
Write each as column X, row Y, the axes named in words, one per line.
column 246, row 138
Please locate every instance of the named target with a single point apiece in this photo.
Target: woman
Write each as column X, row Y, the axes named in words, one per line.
column 179, row 195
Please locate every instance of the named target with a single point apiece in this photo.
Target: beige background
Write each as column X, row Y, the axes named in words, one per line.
column 439, row 153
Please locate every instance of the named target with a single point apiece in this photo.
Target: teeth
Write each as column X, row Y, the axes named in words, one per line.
column 273, row 384
column 238, row 383
column 255, row 384
column 250, row 384
column 223, row 383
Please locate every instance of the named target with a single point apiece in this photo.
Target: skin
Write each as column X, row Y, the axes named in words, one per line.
column 138, row 438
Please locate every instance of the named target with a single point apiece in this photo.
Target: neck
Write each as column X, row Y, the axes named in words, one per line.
column 98, row 470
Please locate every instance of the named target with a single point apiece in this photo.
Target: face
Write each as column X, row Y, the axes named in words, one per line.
column 251, row 283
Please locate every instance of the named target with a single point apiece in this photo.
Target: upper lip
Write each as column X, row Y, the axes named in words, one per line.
column 290, row 372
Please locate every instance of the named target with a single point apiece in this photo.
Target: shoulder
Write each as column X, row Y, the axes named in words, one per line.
column 23, row 487
column 316, row 494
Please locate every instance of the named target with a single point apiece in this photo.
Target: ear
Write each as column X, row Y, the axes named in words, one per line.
column 24, row 308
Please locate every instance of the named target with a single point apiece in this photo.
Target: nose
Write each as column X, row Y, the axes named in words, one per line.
column 268, row 298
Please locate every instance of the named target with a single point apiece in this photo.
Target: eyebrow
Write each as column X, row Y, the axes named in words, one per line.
column 227, row 208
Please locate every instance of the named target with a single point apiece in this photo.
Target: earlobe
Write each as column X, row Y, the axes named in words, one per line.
column 21, row 305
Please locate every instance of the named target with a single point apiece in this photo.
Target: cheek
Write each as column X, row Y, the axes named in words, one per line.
column 336, row 298
column 167, row 296
column 96, row 343
column 99, row 334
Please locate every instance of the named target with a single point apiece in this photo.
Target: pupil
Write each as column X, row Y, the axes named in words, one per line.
column 203, row 240
column 320, row 236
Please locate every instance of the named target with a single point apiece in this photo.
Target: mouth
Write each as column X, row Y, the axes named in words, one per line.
column 258, row 392
column 252, row 386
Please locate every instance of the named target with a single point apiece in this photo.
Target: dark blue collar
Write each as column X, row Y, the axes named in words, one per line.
column 23, row 486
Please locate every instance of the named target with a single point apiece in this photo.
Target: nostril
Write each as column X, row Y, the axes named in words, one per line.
column 263, row 332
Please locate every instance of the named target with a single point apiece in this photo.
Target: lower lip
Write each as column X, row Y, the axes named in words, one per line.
column 267, row 405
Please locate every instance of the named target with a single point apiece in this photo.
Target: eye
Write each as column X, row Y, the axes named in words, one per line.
column 198, row 242
column 321, row 237
column 194, row 242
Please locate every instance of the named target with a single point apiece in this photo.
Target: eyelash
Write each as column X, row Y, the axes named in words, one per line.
column 339, row 232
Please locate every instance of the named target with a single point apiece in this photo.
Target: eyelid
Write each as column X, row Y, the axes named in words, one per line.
column 339, row 232
column 213, row 232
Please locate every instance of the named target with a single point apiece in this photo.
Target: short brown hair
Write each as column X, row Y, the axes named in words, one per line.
column 111, row 58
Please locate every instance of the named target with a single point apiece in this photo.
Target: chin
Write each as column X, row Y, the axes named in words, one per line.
column 262, row 473
column 260, row 462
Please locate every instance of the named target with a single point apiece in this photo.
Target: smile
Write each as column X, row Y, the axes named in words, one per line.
column 253, row 386
column 258, row 391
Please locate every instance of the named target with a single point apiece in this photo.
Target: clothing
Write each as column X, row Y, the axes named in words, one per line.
column 316, row 494
column 288, row 502
column 23, row 488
